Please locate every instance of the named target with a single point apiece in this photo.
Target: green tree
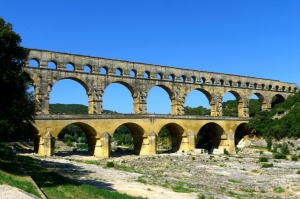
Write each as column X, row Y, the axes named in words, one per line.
column 16, row 104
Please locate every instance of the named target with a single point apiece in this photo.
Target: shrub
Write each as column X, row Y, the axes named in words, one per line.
column 278, row 189
column 193, row 158
column 69, row 143
column 279, row 156
column 285, row 149
column 266, row 165
column 298, row 172
column 294, row 157
column 226, row 152
column 110, row 164
column 269, row 143
column 263, row 159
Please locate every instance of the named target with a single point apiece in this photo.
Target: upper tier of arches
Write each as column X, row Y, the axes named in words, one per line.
column 111, row 67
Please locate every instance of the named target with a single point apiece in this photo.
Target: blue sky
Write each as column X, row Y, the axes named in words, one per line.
column 251, row 38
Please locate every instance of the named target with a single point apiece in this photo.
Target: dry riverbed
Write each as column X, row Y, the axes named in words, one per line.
column 187, row 174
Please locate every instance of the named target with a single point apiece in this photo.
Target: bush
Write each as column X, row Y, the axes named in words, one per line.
column 263, row 159
column 294, row 157
column 279, row 156
column 110, row 164
column 226, row 152
column 266, row 165
column 269, row 143
column 69, row 143
column 278, row 189
column 285, row 149
column 298, row 172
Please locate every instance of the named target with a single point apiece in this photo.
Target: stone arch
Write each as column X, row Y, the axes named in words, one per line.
column 210, row 137
column 71, row 64
column 177, row 133
column 240, row 133
column 172, row 97
column 88, row 66
column 133, row 73
column 264, row 105
column 119, row 70
column 172, row 77
column 205, row 92
column 137, row 133
column 50, row 62
column 242, row 103
column 33, row 59
column 276, row 99
column 103, row 70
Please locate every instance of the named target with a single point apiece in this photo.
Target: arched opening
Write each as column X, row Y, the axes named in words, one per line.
column 158, row 100
column 51, row 65
column 255, row 104
column 230, row 104
column 147, row 74
column 119, row 72
column 202, row 80
column 127, row 139
column 132, row 73
column 172, row 77
column 34, row 63
column 70, row 67
column 221, row 82
column 246, row 85
column 87, row 69
column 182, row 78
column 212, row 81
column 171, row 135
column 193, row 79
column 68, row 96
column 229, row 83
column 158, row 76
column 209, row 137
column 239, row 134
column 117, row 99
column 197, row 103
column 164, row 140
column 277, row 99
column 103, row 70
column 238, row 84
column 76, row 138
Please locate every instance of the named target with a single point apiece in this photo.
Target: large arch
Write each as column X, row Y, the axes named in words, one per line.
column 209, row 137
column 277, row 99
column 176, row 132
column 240, row 105
column 137, row 133
column 120, row 95
column 240, row 133
column 205, row 94
column 171, row 97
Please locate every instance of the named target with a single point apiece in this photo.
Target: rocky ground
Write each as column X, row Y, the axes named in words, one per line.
column 185, row 174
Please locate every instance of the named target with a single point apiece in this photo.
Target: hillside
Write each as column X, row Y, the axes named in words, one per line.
column 72, row 109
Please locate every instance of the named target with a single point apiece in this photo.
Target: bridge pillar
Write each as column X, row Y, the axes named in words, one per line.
column 149, row 145
column 191, row 140
column 140, row 104
column 95, row 101
column 243, row 108
column 47, row 145
column 102, row 147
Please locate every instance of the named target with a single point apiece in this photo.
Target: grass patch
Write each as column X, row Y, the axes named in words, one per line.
column 279, row 189
column 263, row 159
column 248, row 190
column 234, row 181
column 294, row 158
column 128, row 169
column 11, row 173
column 183, row 187
column 298, row 172
column 279, row 156
column 55, row 185
column 266, row 165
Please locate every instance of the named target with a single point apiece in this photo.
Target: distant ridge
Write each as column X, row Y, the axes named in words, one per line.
column 72, row 109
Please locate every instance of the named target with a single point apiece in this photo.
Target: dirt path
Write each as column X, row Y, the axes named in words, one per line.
column 121, row 181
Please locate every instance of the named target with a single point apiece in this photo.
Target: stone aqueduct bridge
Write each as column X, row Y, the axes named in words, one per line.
column 176, row 82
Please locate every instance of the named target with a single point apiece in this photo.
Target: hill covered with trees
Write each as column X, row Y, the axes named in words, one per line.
column 72, row 109
column 282, row 121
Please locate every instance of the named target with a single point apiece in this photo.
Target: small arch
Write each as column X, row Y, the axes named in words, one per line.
column 182, row 78
column 52, row 65
column 159, row 76
column 246, row 85
column 119, row 72
column 132, row 73
column 193, row 79
column 34, row 63
column 209, row 137
column 276, row 88
column 202, row 80
column 255, row 85
column 238, row 84
column 172, row 77
column 229, row 83
column 87, row 69
column 283, row 88
column 221, row 82
column 147, row 74
column 70, row 67
column 212, row 81
column 295, row 89
column 104, row 70
column 263, row 86
column 270, row 87
column 289, row 89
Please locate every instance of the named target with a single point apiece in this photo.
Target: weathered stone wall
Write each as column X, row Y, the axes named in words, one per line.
column 182, row 81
